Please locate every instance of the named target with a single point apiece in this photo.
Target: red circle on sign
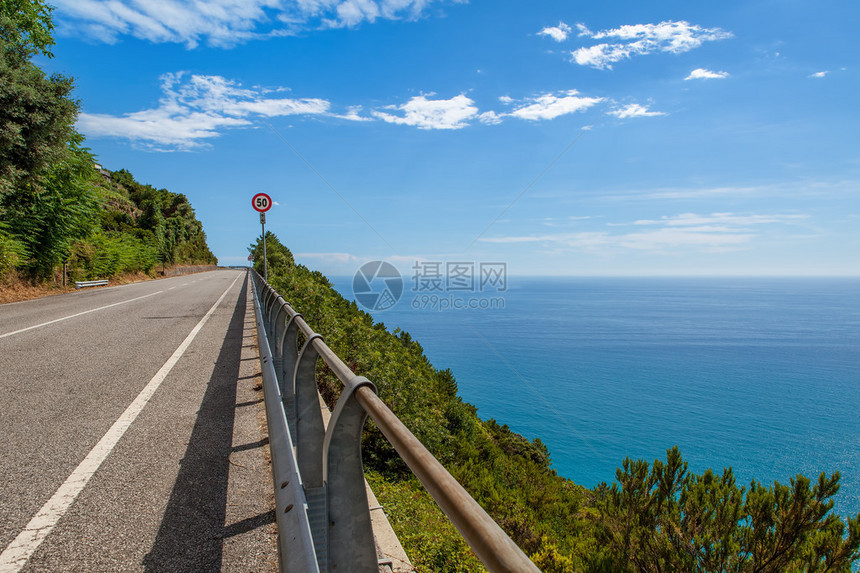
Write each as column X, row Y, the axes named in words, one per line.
column 261, row 202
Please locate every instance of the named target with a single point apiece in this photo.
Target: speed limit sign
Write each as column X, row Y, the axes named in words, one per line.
column 261, row 202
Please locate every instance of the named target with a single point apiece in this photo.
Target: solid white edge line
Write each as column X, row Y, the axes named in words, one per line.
column 16, row 555
column 78, row 314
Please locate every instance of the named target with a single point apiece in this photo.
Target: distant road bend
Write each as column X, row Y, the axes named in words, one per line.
column 132, row 437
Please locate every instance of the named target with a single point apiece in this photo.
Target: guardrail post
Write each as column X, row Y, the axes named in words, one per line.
column 310, row 430
column 288, row 348
column 277, row 357
column 270, row 313
column 260, row 284
column 265, row 294
column 350, row 534
column 310, row 434
column 267, row 310
column 277, row 332
column 270, row 294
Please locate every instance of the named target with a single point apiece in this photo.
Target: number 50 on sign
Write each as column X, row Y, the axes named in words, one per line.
column 261, row 202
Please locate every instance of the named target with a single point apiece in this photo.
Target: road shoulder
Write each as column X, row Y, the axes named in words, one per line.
column 250, row 534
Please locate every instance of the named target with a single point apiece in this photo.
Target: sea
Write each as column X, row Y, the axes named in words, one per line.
column 758, row 374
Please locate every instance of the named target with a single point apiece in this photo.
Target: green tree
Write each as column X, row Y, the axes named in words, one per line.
column 665, row 519
column 62, row 208
column 37, row 114
column 26, row 26
column 172, row 227
column 279, row 257
column 53, row 204
column 12, row 252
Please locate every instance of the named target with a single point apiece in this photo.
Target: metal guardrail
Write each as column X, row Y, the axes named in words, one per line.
column 83, row 284
column 317, row 471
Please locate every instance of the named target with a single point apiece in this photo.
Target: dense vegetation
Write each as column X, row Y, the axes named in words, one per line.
column 55, row 204
column 655, row 517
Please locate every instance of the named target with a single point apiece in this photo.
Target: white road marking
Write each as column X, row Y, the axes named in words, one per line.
column 78, row 314
column 16, row 555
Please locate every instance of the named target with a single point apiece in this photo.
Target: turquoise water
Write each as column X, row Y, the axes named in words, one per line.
column 762, row 375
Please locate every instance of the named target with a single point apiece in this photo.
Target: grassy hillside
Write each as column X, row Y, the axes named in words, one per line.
column 103, row 224
column 656, row 517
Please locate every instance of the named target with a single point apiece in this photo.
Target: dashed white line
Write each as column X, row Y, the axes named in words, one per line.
column 16, row 555
column 77, row 314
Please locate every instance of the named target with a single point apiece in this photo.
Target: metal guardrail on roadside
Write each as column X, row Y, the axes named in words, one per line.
column 83, row 284
column 324, row 521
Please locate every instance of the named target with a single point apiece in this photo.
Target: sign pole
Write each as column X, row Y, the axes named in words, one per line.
column 262, row 203
column 265, row 258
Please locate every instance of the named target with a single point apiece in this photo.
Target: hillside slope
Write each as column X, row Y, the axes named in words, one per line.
column 656, row 517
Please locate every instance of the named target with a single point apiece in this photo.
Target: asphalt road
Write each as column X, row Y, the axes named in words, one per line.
column 128, row 375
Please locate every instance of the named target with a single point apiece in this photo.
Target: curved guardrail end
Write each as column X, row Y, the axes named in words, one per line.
column 287, row 348
column 310, row 428
column 350, row 532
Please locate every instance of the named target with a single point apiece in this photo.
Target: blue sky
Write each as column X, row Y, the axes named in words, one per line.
column 562, row 138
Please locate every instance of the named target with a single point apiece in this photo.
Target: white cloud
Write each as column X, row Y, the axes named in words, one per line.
column 195, row 108
column 692, row 219
column 222, row 22
column 350, row 13
column 329, row 257
column 158, row 128
column 713, row 233
column 634, row 110
column 807, row 188
column 642, row 39
column 558, row 33
column 706, row 192
column 454, row 113
column 601, row 56
column 564, row 221
column 490, row 118
column 549, row 106
column 703, row 74
column 583, row 30
column 659, row 240
column 521, row 239
column 819, row 74
column 353, row 113
column 543, row 107
column 702, row 238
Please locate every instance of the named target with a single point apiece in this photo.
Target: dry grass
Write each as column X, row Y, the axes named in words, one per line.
column 14, row 289
column 17, row 291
